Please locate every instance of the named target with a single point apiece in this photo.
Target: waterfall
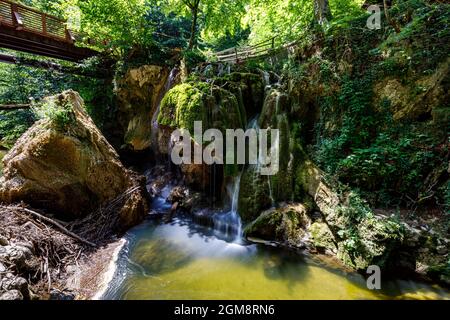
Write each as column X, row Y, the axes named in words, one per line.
column 234, row 204
column 229, row 223
column 266, row 77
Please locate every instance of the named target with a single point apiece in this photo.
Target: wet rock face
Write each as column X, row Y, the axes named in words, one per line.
column 254, row 195
column 248, row 88
column 68, row 167
column 138, row 94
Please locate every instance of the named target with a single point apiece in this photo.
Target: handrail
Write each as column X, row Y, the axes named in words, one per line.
column 24, row 18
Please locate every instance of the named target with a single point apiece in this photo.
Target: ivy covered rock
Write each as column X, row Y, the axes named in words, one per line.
column 64, row 164
column 362, row 238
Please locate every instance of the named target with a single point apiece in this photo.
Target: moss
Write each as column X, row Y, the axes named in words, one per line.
column 188, row 102
column 181, row 106
column 248, row 88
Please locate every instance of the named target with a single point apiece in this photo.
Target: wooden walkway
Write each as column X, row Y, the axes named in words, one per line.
column 242, row 54
column 263, row 49
column 25, row 29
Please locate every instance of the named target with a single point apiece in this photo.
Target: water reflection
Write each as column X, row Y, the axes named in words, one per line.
column 181, row 260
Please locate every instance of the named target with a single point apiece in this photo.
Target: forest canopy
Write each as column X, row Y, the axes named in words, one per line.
column 207, row 23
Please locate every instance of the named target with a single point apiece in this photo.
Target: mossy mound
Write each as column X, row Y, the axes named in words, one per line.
column 248, row 88
column 188, row 102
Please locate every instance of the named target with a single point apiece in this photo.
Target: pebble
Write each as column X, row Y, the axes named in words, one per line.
column 3, row 241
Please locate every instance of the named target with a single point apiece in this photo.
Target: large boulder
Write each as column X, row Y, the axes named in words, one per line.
column 139, row 93
column 64, row 164
column 287, row 225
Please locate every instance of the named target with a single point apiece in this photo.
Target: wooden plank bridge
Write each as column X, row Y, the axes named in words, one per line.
column 28, row 30
column 263, row 49
column 241, row 54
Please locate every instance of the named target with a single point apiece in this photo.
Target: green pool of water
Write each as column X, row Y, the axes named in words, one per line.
column 181, row 260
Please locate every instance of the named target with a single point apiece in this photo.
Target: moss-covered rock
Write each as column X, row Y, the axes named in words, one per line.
column 275, row 104
column 181, row 106
column 254, row 194
column 247, row 87
column 188, row 102
column 215, row 107
column 362, row 238
column 286, row 225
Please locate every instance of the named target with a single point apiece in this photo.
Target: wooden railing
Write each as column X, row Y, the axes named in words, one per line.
column 241, row 54
column 24, row 18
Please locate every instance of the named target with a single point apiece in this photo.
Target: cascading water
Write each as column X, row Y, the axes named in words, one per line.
column 229, row 223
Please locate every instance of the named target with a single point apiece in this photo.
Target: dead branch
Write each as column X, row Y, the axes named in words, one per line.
column 55, row 224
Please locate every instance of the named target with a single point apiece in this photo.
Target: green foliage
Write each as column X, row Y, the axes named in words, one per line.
column 13, row 124
column 357, row 140
column 59, row 114
column 193, row 58
column 21, row 84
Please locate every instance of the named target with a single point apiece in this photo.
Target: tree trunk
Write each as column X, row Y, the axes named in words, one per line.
column 386, row 4
column 193, row 39
column 322, row 12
